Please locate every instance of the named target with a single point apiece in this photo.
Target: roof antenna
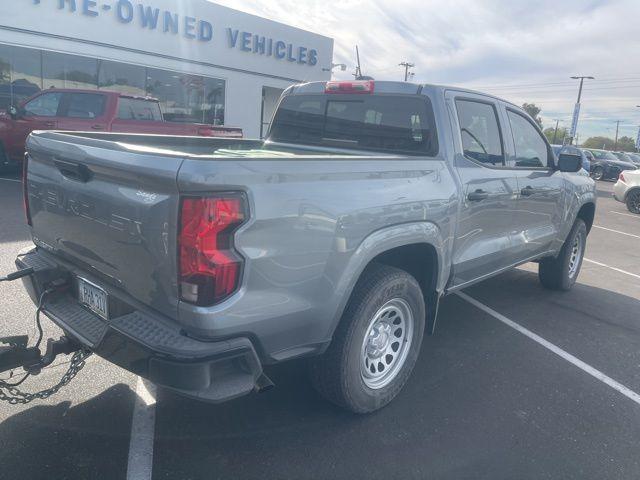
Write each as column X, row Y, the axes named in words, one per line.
column 358, row 75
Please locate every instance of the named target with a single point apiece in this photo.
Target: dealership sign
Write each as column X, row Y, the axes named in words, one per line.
column 191, row 28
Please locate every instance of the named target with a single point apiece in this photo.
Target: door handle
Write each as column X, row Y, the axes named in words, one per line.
column 477, row 196
column 97, row 127
column 49, row 124
column 528, row 191
column 74, row 171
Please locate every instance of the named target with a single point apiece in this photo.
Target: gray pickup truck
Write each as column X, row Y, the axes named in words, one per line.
column 195, row 262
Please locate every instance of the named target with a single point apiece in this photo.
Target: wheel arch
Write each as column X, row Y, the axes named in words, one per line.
column 416, row 248
column 587, row 214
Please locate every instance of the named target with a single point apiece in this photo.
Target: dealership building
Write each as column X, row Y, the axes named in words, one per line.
column 205, row 63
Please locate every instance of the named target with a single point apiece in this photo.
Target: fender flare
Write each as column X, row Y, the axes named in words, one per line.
column 382, row 241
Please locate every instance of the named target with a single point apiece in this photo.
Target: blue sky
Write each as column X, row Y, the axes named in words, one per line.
column 524, row 51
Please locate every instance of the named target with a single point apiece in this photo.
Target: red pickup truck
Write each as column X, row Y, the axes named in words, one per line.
column 90, row 110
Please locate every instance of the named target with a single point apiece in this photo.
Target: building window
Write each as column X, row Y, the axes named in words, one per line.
column 20, row 74
column 69, row 71
column 122, row 77
column 183, row 97
column 187, row 98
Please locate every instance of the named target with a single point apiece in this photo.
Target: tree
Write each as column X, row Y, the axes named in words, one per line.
column 626, row 144
column 534, row 112
column 550, row 133
column 604, row 143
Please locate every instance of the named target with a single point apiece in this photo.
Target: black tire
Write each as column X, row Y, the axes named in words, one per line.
column 337, row 374
column 597, row 173
column 561, row 272
column 633, row 201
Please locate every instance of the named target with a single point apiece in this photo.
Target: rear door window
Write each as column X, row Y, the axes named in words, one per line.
column 139, row 109
column 85, row 105
column 384, row 123
column 480, row 132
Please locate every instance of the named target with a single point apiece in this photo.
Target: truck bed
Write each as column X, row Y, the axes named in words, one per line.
column 110, row 204
column 185, row 146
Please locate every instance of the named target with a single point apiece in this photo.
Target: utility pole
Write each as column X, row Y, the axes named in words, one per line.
column 406, row 66
column 555, row 132
column 615, row 145
column 358, row 73
column 576, row 111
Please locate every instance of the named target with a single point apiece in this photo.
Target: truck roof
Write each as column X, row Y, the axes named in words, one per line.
column 105, row 92
column 385, row 86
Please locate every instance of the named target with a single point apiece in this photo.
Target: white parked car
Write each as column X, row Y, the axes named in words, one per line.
column 627, row 190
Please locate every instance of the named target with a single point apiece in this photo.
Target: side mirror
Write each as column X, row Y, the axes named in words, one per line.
column 13, row 112
column 569, row 163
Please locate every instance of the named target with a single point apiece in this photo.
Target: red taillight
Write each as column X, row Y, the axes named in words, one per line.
column 365, row 86
column 210, row 267
column 25, row 190
column 220, row 132
column 621, row 177
column 205, row 132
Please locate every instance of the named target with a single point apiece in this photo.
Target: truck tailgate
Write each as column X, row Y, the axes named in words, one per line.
column 110, row 211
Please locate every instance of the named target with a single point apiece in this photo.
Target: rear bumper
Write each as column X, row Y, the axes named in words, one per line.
column 147, row 344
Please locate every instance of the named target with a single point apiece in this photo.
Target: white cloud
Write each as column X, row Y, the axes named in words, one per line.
column 518, row 49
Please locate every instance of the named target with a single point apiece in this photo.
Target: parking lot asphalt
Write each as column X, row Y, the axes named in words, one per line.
column 485, row 400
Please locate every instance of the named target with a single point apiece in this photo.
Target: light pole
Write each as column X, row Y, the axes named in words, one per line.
column 342, row 66
column 576, row 111
column 638, row 138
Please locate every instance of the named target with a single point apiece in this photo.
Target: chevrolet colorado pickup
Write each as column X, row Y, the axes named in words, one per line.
column 196, row 262
column 90, row 110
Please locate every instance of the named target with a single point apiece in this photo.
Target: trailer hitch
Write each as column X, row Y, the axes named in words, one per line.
column 17, row 354
column 14, row 352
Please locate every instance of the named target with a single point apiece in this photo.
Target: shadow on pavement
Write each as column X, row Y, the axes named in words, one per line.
column 483, row 402
column 86, row 441
column 12, row 220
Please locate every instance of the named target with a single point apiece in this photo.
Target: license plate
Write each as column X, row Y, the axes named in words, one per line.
column 93, row 297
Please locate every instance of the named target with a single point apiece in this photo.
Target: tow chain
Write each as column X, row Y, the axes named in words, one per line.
column 13, row 395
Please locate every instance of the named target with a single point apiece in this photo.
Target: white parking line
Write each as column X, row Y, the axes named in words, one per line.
column 143, row 422
column 637, row 217
column 617, row 231
column 617, row 386
column 11, row 180
column 612, row 268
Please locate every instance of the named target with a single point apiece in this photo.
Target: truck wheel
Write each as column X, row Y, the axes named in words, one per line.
column 376, row 344
column 597, row 173
column 633, row 201
column 561, row 272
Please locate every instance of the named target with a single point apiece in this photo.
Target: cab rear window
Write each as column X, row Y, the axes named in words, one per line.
column 384, row 123
column 139, row 109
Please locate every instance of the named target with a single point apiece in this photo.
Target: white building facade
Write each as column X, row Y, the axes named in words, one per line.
column 205, row 63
